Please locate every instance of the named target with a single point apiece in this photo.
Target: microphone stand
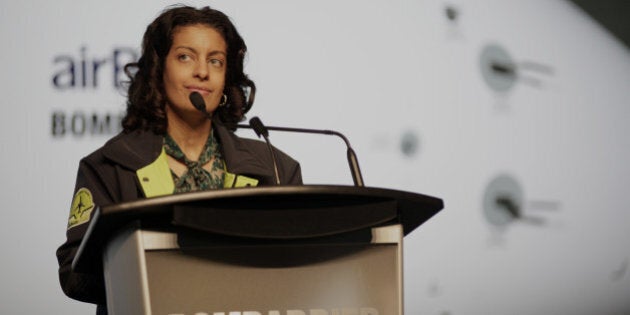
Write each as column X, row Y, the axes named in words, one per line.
column 353, row 162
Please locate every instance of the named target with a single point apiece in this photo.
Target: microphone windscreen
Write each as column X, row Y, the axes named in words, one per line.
column 197, row 100
column 258, row 127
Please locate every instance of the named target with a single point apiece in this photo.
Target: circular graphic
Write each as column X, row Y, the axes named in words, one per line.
column 503, row 200
column 497, row 68
column 409, row 143
column 451, row 12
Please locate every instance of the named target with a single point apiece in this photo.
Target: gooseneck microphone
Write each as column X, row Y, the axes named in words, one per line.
column 353, row 162
column 261, row 130
column 197, row 100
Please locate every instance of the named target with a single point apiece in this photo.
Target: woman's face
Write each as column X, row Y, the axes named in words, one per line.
column 196, row 62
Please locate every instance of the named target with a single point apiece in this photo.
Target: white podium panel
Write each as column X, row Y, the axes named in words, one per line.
column 155, row 275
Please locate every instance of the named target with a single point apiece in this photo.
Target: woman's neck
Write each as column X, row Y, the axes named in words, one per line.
column 190, row 136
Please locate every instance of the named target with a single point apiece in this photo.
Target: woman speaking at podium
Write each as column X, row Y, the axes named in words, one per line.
column 168, row 145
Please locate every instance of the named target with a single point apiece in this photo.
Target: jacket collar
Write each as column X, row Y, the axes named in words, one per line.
column 137, row 149
column 238, row 154
column 134, row 150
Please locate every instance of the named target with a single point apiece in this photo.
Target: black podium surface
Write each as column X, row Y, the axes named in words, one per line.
column 277, row 213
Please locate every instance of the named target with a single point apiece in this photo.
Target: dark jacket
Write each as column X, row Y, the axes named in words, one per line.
column 128, row 168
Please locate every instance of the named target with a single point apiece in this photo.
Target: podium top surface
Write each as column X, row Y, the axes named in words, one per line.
column 274, row 212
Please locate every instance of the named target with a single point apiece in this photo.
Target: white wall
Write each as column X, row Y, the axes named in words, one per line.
column 375, row 71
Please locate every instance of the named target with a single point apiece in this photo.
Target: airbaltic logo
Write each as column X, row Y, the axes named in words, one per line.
column 341, row 311
column 87, row 71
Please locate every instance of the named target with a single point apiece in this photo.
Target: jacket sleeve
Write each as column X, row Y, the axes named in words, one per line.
column 292, row 172
column 90, row 193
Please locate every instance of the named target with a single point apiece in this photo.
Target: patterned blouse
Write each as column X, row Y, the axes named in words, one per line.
column 196, row 178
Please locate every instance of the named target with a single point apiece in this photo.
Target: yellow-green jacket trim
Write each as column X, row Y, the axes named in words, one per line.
column 156, row 178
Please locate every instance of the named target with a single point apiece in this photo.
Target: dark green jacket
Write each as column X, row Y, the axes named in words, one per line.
column 132, row 166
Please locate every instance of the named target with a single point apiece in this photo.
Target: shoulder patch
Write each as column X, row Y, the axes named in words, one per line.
column 81, row 208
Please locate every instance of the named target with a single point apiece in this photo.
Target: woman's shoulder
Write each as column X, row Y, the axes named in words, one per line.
column 132, row 149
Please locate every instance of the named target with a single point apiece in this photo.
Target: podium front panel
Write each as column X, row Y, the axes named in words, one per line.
column 363, row 282
column 263, row 279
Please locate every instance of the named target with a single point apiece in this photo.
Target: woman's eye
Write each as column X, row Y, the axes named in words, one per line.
column 183, row 57
column 216, row 62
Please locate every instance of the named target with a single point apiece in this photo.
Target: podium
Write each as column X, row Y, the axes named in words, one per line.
column 283, row 250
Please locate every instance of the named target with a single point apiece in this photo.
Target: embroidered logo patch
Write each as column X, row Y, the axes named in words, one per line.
column 82, row 206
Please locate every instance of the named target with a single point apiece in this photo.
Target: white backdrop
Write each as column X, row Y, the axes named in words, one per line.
column 383, row 73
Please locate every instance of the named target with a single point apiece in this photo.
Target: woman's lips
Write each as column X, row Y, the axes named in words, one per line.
column 200, row 90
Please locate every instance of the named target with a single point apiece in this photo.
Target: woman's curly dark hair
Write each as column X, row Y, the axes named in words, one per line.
column 146, row 98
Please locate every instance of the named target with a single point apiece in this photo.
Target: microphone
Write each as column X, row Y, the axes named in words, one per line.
column 197, row 100
column 353, row 162
column 261, row 130
column 255, row 123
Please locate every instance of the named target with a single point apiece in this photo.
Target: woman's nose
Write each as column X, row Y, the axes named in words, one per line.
column 201, row 71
